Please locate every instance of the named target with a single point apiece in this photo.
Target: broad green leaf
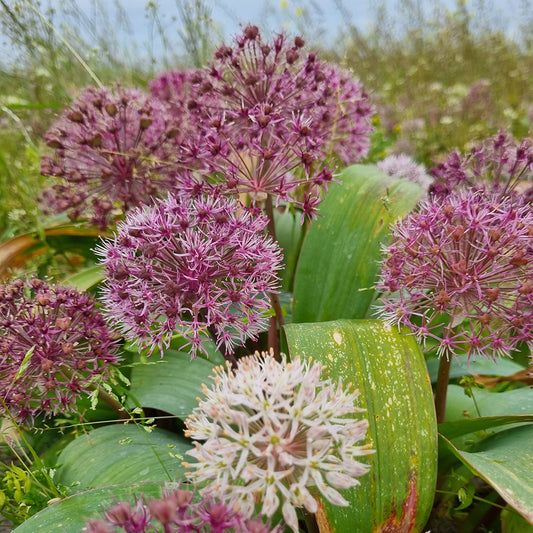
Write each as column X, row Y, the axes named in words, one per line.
column 459, row 428
column 339, row 261
column 86, row 279
column 289, row 234
column 121, row 453
column 512, row 522
column 460, row 367
column 71, row 514
column 505, row 461
column 514, row 402
column 389, row 370
column 171, row 383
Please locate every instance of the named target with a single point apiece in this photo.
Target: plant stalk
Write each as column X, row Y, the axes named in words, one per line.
column 441, row 390
column 279, row 320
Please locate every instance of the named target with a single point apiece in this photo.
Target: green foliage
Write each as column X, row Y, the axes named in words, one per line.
column 339, row 261
column 389, row 370
column 70, row 514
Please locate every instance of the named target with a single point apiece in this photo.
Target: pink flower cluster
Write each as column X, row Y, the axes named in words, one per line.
column 54, row 346
column 177, row 512
column 190, row 265
column 113, row 151
column 264, row 119
column 459, row 273
column 498, row 165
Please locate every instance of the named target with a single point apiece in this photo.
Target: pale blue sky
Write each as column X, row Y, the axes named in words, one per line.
column 326, row 18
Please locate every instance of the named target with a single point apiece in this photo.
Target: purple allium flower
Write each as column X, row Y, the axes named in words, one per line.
column 192, row 265
column 345, row 114
column 403, row 166
column 273, row 111
column 54, row 345
column 499, row 164
column 112, row 152
column 276, row 429
column 176, row 511
column 460, row 271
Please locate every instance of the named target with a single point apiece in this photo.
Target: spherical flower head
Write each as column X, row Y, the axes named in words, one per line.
column 273, row 112
column 403, row 166
column 113, row 151
column 277, row 430
column 499, row 165
column 176, row 511
column 345, row 114
column 54, row 345
column 460, row 272
column 193, row 265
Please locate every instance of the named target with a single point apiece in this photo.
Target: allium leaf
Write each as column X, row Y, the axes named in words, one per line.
column 505, row 461
column 173, row 383
column 85, row 279
column 70, row 514
column 389, row 370
column 120, row 454
column 339, row 262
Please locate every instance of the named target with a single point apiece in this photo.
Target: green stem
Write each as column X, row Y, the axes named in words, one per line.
column 273, row 341
column 443, row 378
column 104, row 396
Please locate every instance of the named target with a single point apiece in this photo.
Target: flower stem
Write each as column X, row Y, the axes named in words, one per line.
column 113, row 403
column 104, row 396
column 310, row 521
column 279, row 320
column 443, row 378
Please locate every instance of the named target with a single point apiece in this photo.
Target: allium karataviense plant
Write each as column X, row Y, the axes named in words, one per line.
column 113, row 151
column 499, row 164
column 276, row 430
column 175, row 511
column 274, row 114
column 55, row 346
column 459, row 274
column 192, row 265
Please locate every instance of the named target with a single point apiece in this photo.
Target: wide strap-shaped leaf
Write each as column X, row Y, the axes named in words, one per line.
column 505, row 461
column 339, row 261
column 71, row 514
column 86, row 279
column 121, row 453
column 171, row 383
column 389, row 370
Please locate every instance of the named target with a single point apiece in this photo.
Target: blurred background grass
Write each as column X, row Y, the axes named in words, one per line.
column 441, row 76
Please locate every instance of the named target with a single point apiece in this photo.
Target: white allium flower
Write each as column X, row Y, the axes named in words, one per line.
column 275, row 430
column 403, row 166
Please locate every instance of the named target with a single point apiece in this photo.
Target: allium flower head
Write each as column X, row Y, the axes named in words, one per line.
column 273, row 112
column 497, row 165
column 195, row 265
column 277, row 430
column 403, row 166
column 112, row 151
column 176, row 511
column 460, row 271
column 54, row 344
